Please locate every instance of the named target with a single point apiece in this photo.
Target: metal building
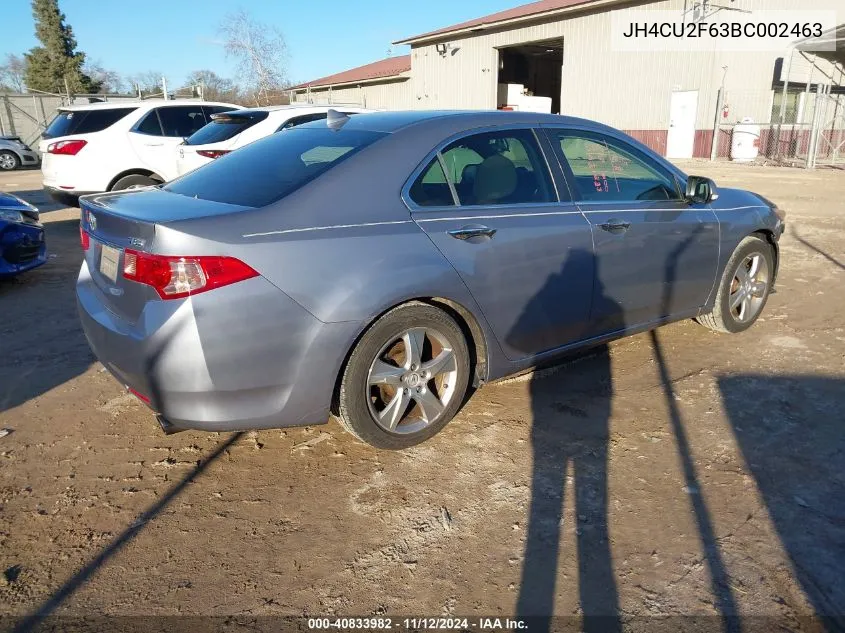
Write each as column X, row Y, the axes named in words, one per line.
column 674, row 102
column 384, row 84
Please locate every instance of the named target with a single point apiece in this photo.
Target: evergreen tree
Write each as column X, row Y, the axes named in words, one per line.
column 49, row 65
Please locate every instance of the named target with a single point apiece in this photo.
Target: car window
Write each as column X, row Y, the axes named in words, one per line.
column 502, row 167
column 149, row 124
column 299, row 120
column 608, row 170
column 209, row 110
column 225, row 127
column 84, row 121
column 431, row 189
column 181, row 120
column 273, row 167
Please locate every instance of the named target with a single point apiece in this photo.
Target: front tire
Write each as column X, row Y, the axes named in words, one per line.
column 9, row 161
column 744, row 288
column 406, row 378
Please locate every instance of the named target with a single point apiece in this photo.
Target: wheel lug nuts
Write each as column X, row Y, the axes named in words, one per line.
column 407, row 391
column 419, row 390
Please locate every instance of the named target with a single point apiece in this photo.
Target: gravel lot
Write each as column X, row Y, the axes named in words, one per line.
column 684, row 472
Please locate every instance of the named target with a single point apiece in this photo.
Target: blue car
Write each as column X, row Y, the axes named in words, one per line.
column 22, row 244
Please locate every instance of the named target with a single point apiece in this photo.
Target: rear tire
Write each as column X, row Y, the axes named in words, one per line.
column 9, row 161
column 132, row 181
column 744, row 288
column 390, row 397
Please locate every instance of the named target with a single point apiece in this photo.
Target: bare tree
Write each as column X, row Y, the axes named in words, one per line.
column 260, row 51
column 12, row 73
column 148, row 82
column 215, row 87
column 110, row 80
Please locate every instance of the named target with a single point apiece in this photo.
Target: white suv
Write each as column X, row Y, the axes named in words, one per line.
column 230, row 130
column 116, row 145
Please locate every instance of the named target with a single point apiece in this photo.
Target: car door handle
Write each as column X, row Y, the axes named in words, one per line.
column 616, row 226
column 468, row 232
column 153, row 144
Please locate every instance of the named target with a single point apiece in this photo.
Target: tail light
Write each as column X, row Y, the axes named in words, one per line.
column 176, row 277
column 213, row 153
column 84, row 239
column 66, row 148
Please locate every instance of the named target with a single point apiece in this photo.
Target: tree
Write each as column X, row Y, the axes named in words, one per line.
column 214, row 87
column 149, row 82
column 55, row 66
column 260, row 51
column 12, row 74
column 110, row 80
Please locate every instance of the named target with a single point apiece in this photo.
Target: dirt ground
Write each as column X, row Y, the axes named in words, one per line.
column 682, row 473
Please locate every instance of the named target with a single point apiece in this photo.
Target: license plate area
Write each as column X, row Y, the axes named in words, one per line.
column 109, row 258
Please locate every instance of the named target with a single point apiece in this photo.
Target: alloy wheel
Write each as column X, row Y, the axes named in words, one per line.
column 749, row 288
column 412, row 380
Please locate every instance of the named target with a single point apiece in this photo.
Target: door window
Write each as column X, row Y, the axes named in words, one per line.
column 149, row 124
column 431, row 189
column 608, row 170
column 496, row 168
column 181, row 120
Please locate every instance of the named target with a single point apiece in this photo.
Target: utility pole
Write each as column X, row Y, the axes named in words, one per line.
column 164, row 87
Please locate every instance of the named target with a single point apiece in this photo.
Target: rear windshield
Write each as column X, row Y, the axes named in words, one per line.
column 223, row 129
column 84, row 121
column 268, row 170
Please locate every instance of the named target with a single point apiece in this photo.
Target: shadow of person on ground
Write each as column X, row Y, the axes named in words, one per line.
column 789, row 430
column 815, row 248
column 571, row 412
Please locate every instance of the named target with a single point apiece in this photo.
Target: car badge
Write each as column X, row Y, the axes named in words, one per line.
column 137, row 241
column 92, row 221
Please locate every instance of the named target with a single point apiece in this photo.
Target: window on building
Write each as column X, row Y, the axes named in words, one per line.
column 793, row 106
column 503, row 167
column 608, row 170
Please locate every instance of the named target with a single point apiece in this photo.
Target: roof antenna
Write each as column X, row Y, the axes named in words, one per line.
column 336, row 120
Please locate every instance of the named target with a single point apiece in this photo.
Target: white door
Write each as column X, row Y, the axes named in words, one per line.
column 682, row 111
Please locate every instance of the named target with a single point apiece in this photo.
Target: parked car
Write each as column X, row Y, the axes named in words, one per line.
column 385, row 262
column 116, row 145
column 14, row 153
column 22, row 244
column 230, row 130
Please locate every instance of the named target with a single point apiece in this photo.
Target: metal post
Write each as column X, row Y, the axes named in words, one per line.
column 9, row 116
column 783, row 99
column 164, row 87
column 720, row 102
column 814, row 140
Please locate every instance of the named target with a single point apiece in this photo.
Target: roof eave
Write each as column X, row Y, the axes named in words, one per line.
column 405, row 74
column 439, row 35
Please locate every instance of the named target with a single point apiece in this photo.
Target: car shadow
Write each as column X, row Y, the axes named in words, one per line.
column 40, row 199
column 41, row 341
column 789, row 430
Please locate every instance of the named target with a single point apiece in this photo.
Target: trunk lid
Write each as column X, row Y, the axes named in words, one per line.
column 115, row 222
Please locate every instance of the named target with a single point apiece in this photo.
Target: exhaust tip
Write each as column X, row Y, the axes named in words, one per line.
column 166, row 426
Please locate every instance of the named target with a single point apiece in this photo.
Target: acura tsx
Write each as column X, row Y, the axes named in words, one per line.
column 380, row 266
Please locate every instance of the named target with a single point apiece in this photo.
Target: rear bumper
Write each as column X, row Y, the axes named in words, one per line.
column 210, row 363
column 22, row 248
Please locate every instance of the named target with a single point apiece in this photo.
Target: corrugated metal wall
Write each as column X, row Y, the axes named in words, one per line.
column 387, row 95
column 627, row 90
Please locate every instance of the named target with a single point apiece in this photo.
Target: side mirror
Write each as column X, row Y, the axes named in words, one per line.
column 701, row 190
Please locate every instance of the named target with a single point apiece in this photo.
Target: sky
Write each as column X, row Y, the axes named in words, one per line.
column 179, row 36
